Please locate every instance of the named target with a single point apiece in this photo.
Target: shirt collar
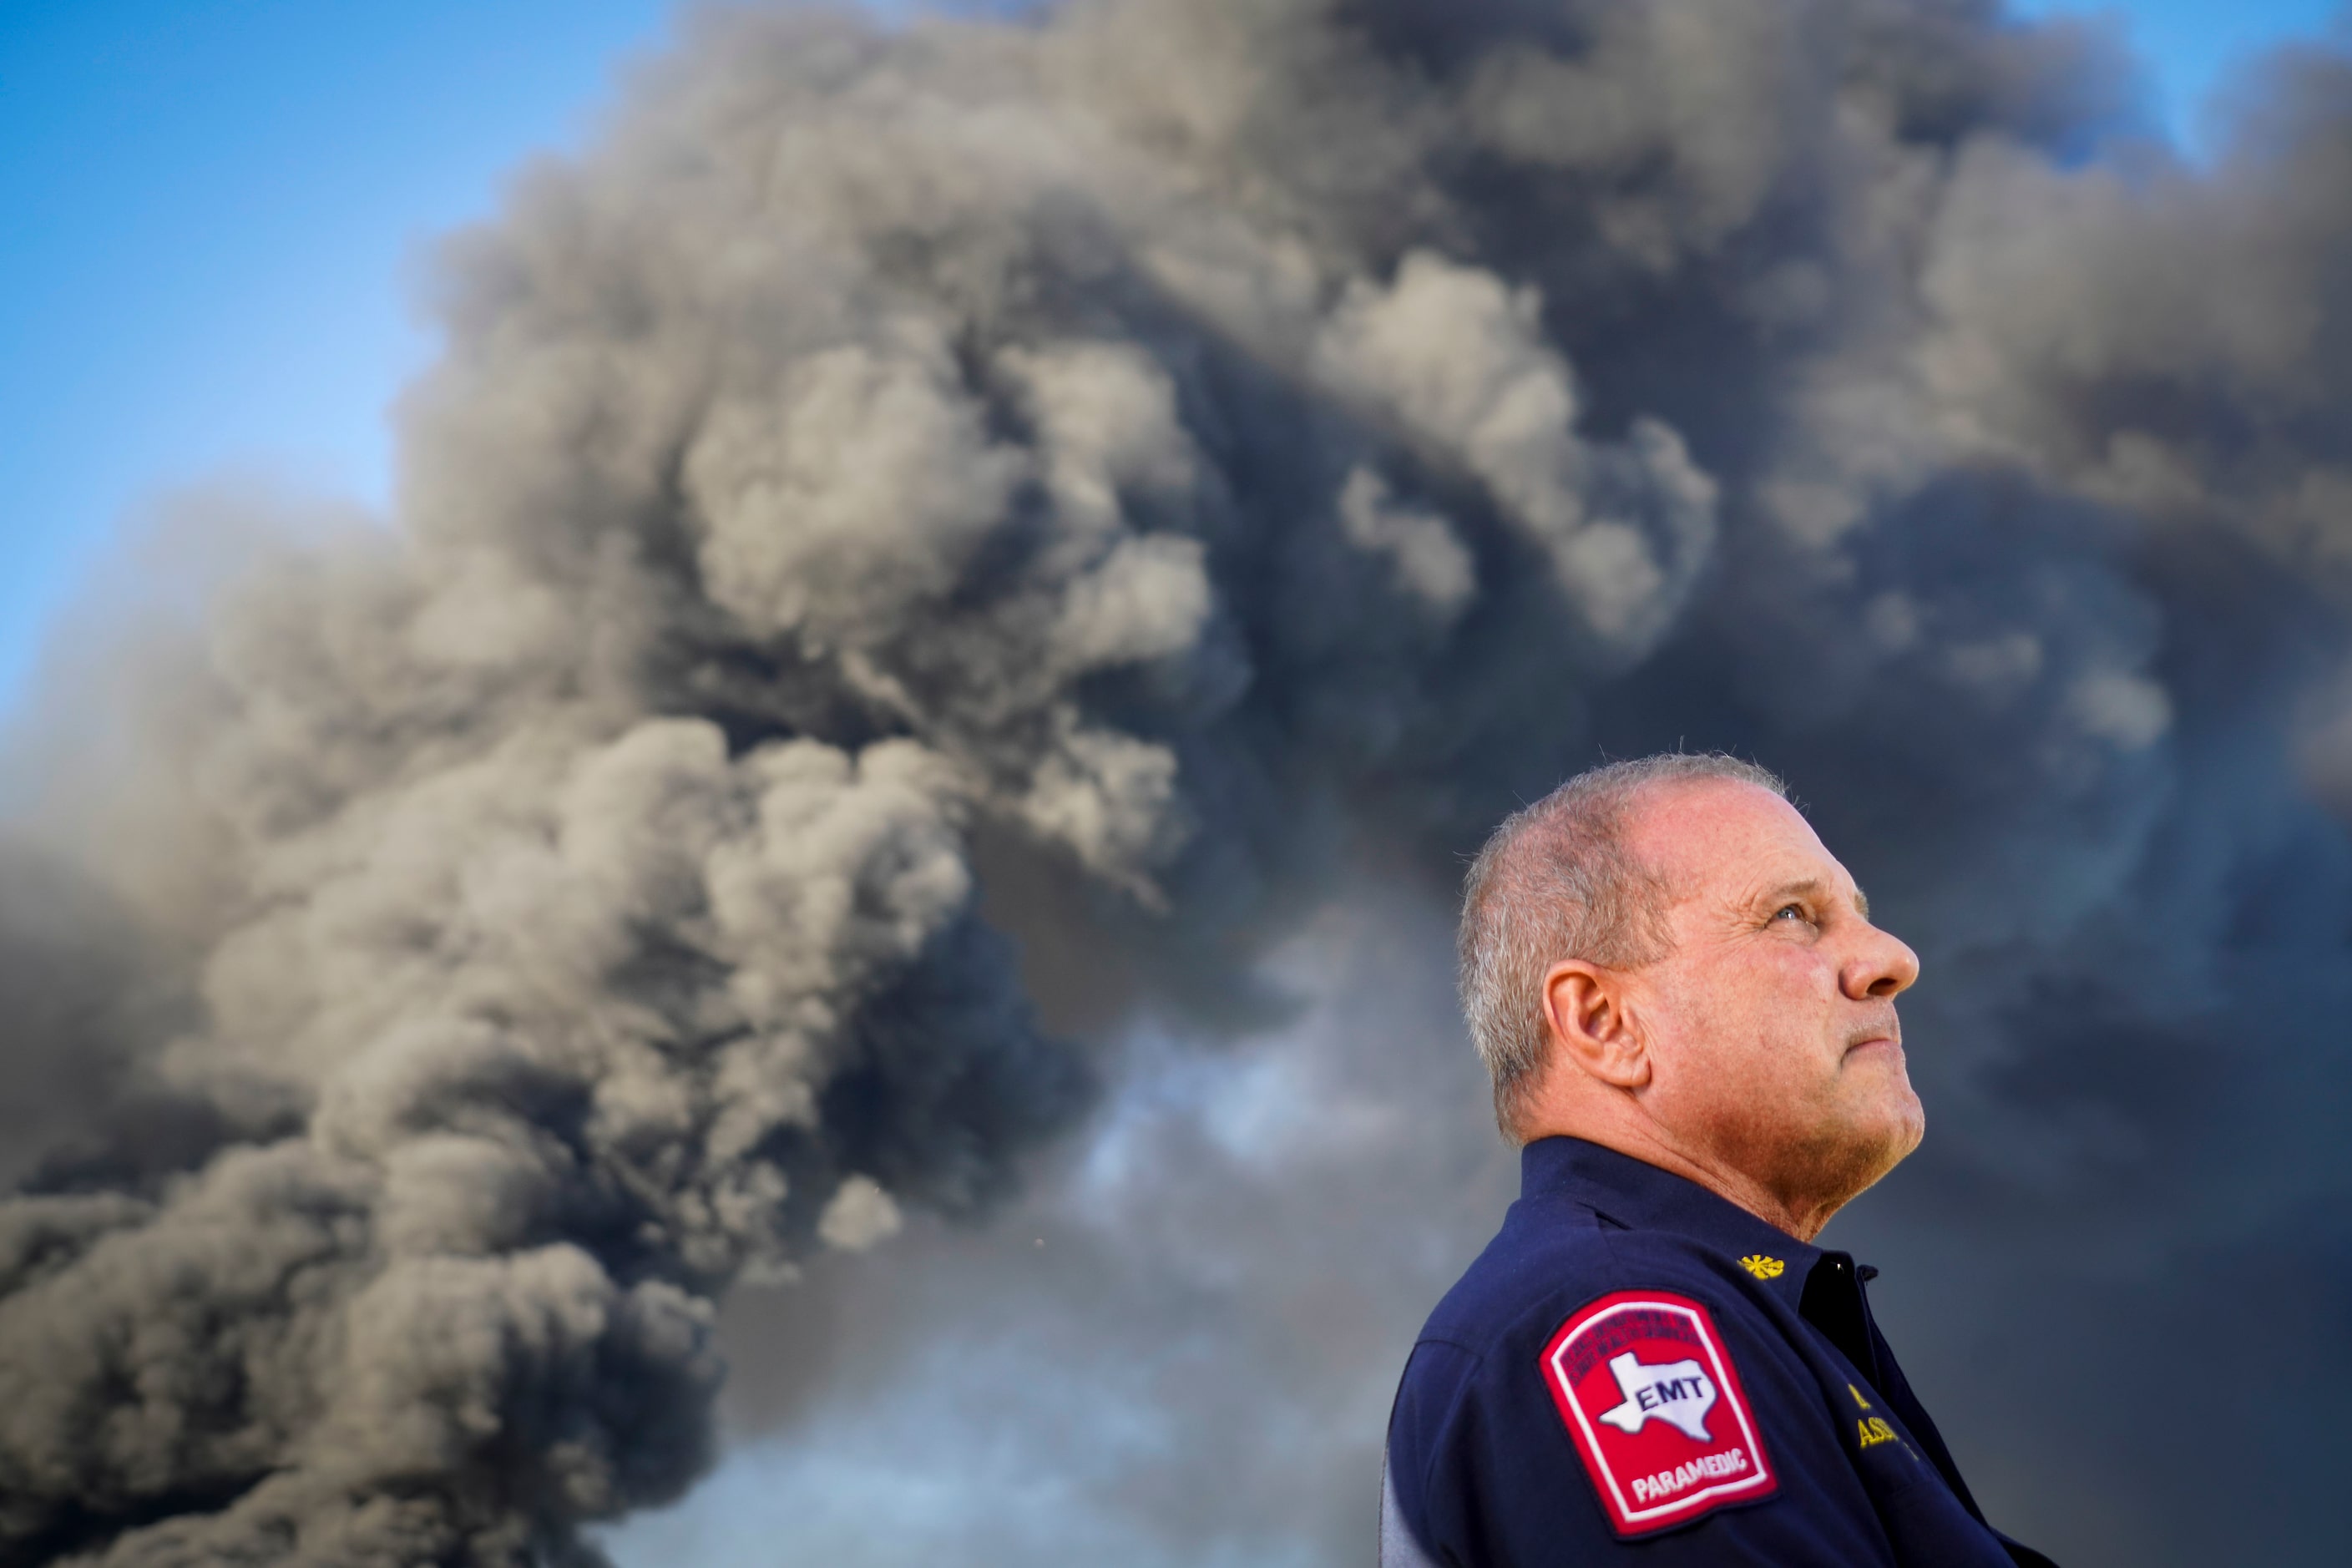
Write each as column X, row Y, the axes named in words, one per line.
column 1642, row 1197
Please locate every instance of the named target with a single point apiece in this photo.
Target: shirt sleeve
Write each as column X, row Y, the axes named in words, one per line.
column 1485, row 1468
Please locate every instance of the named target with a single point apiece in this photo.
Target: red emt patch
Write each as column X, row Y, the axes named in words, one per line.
column 1655, row 1407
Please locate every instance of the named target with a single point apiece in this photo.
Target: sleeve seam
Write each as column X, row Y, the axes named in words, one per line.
column 1470, row 1350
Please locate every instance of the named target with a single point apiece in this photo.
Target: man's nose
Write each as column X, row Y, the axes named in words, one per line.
column 1885, row 966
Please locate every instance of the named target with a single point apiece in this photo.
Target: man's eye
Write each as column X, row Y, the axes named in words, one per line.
column 1790, row 911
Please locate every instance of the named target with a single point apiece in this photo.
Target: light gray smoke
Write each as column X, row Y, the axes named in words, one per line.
column 924, row 524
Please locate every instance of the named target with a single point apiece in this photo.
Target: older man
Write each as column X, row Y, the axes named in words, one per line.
column 1690, row 1023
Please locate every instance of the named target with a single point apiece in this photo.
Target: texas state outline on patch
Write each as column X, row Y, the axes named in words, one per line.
column 1676, row 1391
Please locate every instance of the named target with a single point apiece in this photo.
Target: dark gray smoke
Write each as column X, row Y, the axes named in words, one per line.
column 926, row 525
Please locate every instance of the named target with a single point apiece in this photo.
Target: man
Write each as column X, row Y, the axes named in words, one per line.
column 1690, row 1024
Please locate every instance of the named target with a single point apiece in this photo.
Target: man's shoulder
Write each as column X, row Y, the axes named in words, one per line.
column 1550, row 1259
column 1564, row 1308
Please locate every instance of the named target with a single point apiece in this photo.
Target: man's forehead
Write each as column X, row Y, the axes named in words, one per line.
column 1727, row 832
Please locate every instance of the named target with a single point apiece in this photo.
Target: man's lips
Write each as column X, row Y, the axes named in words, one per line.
column 1887, row 1034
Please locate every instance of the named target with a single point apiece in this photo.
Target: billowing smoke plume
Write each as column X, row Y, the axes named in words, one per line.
column 929, row 546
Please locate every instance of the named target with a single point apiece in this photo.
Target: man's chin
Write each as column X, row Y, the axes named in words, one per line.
column 1882, row 1132
column 1901, row 1124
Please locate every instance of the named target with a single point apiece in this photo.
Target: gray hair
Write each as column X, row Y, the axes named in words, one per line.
column 1556, row 881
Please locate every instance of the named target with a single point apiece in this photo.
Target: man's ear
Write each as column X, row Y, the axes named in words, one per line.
column 1584, row 1009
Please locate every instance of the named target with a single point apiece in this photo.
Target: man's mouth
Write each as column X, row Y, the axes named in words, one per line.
column 1889, row 1034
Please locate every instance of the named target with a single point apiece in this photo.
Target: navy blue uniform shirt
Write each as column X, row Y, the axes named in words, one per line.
column 1636, row 1370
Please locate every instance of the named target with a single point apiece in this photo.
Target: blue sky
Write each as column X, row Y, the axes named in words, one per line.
column 214, row 212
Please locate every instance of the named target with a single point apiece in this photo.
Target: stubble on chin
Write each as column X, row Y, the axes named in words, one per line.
column 1882, row 1131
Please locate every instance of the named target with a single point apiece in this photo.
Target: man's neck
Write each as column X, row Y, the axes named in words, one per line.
column 1801, row 1217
